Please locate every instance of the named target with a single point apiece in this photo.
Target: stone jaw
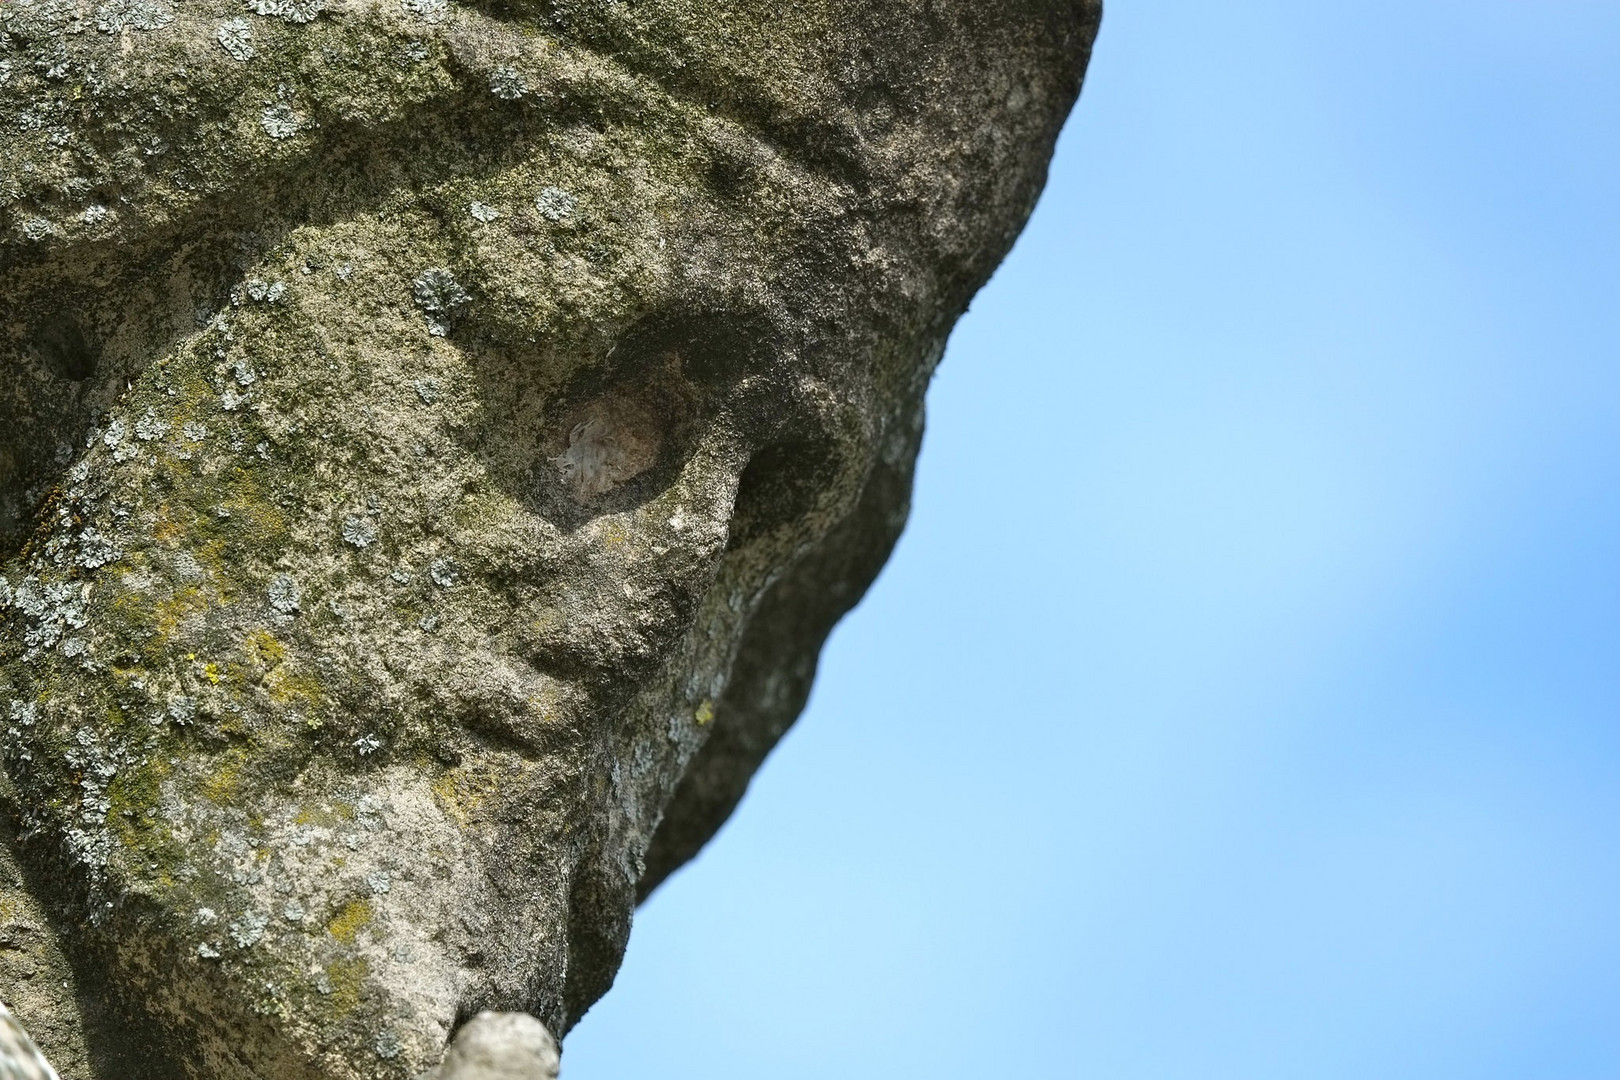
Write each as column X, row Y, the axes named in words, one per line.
column 439, row 475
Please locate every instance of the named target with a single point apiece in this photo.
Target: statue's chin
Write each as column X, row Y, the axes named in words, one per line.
column 348, row 917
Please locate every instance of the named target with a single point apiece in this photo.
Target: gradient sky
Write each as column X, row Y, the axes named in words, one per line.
column 1242, row 699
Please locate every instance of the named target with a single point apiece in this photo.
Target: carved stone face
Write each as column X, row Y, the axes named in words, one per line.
column 415, row 409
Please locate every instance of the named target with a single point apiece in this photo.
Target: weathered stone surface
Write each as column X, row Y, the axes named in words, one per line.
column 439, row 437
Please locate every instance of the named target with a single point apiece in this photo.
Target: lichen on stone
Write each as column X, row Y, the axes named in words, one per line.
column 554, row 203
column 279, row 121
column 293, row 11
column 507, row 83
column 116, row 15
column 284, row 594
column 431, row 11
column 359, row 531
column 440, row 296
column 235, row 36
column 255, row 288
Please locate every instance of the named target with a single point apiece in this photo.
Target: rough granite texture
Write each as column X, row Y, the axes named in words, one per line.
column 438, row 439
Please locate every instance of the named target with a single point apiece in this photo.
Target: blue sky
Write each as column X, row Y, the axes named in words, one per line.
column 1242, row 699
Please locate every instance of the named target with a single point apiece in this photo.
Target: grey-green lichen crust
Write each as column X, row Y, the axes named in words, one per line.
column 439, row 437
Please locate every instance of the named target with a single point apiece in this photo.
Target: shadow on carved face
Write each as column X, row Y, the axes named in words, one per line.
column 52, row 378
column 782, row 484
column 65, row 349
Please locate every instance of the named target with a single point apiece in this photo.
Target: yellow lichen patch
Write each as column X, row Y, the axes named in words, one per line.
column 215, row 559
column 482, row 513
column 168, row 614
column 347, row 923
column 263, row 648
column 221, row 785
column 548, row 621
column 347, row 978
column 196, row 396
column 134, row 792
column 252, row 510
column 114, row 715
column 167, row 530
column 290, row 688
column 705, row 713
column 211, row 513
column 133, row 798
column 327, row 814
column 460, row 791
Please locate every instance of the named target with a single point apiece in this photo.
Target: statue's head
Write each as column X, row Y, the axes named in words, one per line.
column 432, row 424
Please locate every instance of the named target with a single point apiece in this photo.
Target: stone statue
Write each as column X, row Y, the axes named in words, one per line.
column 438, row 437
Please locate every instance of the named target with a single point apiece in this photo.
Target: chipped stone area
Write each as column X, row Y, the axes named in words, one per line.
column 439, row 438
column 611, row 443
